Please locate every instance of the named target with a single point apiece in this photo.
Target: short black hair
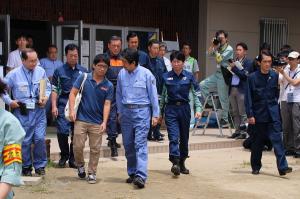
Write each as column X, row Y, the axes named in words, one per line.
column 101, row 58
column 265, row 46
column 221, row 32
column 186, row 44
column 51, row 46
column 243, row 45
column 152, row 41
column 284, row 53
column 20, row 35
column 286, row 47
column 71, row 47
column 177, row 55
column 24, row 53
column 114, row 38
column 264, row 53
column 131, row 35
column 131, row 55
column 3, row 87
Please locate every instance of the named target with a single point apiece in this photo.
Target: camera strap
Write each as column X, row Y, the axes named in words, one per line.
column 298, row 71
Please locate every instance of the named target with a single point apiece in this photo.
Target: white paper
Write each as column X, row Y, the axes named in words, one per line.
column 1, row 50
column 238, row 65
column 229, row 69
column 172, row 45
column 85, row 48
column 99, row 47
column 85, row 62
column 76, row 34
column 66, row 42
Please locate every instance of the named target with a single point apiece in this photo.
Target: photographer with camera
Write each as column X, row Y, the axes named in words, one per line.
column 222, row 52
column 290, row 104
column 241, row 67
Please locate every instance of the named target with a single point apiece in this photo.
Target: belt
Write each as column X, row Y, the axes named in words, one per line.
column 234, row 86
column 177, row 103
column 135, row 106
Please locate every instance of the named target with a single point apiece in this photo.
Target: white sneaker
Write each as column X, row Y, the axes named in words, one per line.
column 91, row 178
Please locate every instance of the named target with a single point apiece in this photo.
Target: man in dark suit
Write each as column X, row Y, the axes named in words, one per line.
column 241, row 67
column 262, row 109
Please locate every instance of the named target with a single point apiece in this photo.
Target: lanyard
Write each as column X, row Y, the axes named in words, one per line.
column 297, row 71
column 30, row 84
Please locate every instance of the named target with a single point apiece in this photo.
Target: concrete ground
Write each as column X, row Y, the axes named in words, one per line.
column 217, row 173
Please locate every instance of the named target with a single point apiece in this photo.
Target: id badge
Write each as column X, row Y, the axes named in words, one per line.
column 290, row 97
column 30, row 105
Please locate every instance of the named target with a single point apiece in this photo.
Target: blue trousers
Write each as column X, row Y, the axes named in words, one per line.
column 113, row 126
column 34, row 124
column 262, row 132
column 135, row 127
column 177, row 119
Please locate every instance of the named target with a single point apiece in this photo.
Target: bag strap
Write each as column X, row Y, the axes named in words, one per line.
column 292, row 78
column 82, row 83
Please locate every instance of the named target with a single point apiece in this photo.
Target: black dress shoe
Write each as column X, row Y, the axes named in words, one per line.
column 159, row 139
column 234, row 135
column 151, row 138
column 72, row 164
column 139, row 182
column 175, row 169
column 130, row 179
column 242, row 136
column 255, row 172
column 62, row 162
column 290, row 153
column 117, row 144
column 40, row 171
column 297, row 154
column 285, row 171
column 26, row 172
column 162, row 135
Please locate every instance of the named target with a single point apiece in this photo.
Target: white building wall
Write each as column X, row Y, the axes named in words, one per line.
column 240, row 18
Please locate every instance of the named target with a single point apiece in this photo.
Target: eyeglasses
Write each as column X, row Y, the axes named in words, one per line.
column 292, row 59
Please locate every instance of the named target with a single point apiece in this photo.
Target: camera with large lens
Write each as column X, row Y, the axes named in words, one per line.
column 216, row 41
column 278, row 63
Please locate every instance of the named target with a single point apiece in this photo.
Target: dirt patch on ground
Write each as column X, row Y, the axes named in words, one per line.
column 214, row 174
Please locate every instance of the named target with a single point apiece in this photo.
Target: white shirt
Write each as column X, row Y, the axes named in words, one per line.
column 14, row 59
column 168, row 64
column 286, row 88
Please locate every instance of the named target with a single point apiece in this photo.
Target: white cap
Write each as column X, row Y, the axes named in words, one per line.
column 294, row 55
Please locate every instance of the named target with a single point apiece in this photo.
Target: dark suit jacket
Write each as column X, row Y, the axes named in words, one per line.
column 261, row 97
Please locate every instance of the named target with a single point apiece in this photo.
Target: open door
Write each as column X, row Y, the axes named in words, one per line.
column 65, row 33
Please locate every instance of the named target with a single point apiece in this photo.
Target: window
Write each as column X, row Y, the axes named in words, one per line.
column 274, row 31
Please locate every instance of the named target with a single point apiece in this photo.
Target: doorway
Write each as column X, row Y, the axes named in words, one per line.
column 40, row 31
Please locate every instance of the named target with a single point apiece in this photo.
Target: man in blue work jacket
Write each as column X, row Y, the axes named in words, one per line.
column 136, row 92
column 62, row 83
column 158, row 68
column 133, row 43
column 262, row 109
column 50, row 64
column 29, row 107
column 115, row 65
